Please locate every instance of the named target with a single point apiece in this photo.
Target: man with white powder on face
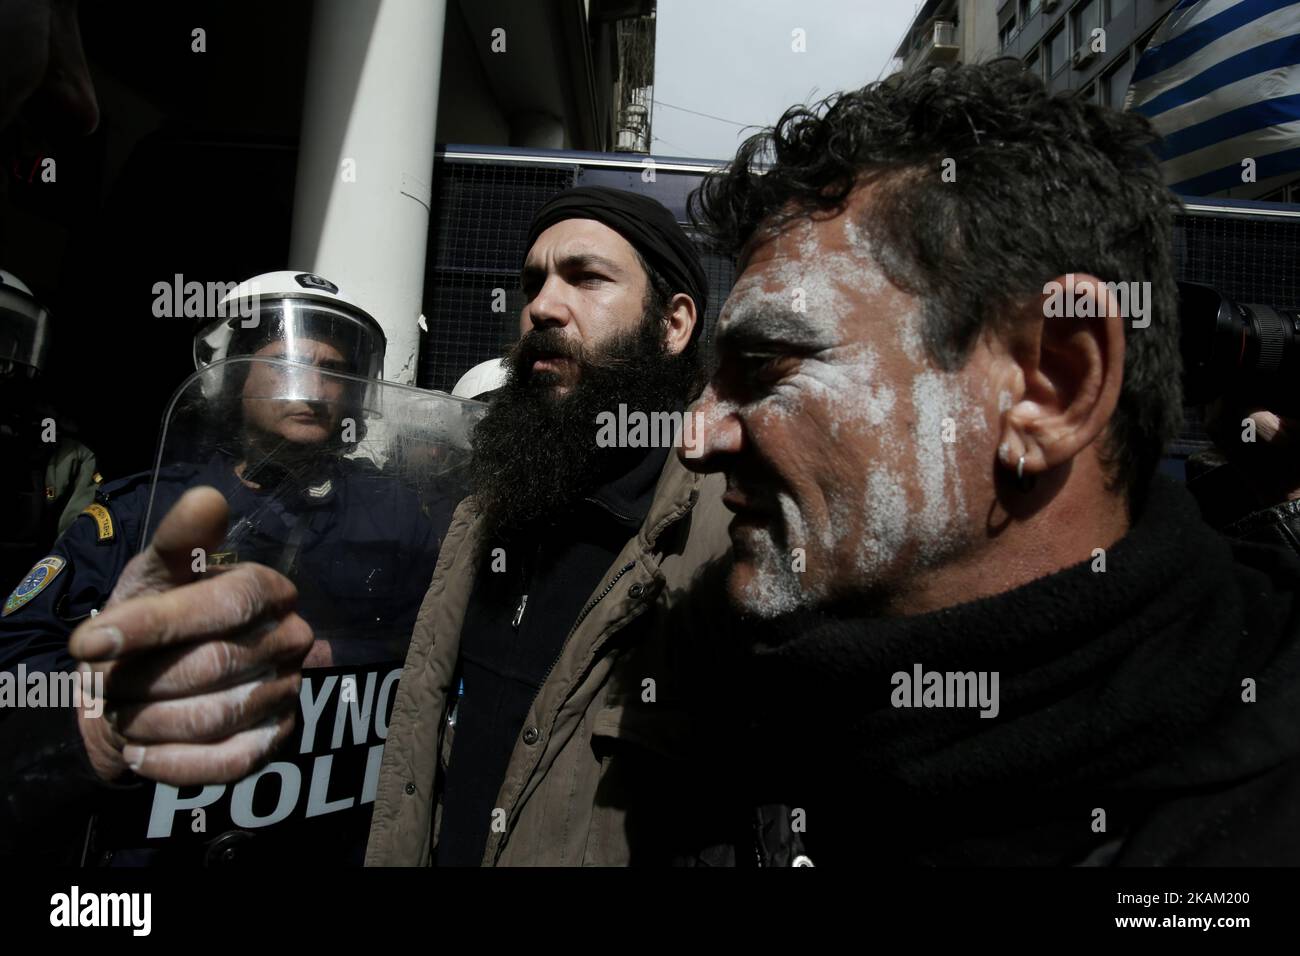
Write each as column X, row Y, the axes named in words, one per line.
column 986, row 631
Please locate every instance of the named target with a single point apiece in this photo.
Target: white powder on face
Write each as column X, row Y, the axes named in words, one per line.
column 825, row 308
column 708, row 411
column 775, row 587
column 824, row 275
column 887, row 524
column 908, row 323
column 910, row 339
column 796, row 532
column 822, row 285
column 770, row 592
column 832, row 286
column 936, row 397
column 815, row 286
column 745, row 295
column 846, row 384
column 858, row 240
column 788, row 287
column 1004, row 401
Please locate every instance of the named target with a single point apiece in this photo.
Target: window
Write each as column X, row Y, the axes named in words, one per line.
column 1008, row 25
column 1115, row 83
column 1058, row 55
column 1028, row 8
column 1007, row 33
column 1032, row 64
column 1115, row 7
column 1086, row 19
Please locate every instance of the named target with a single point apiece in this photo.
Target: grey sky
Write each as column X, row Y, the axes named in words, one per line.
column 733, row 59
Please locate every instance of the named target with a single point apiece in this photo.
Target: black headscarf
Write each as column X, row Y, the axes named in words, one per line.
column 643, row 222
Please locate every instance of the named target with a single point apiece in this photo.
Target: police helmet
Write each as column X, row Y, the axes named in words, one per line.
column 24, row 330
column 291, row 307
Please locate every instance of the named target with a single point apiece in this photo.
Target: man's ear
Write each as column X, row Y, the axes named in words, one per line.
column 1065, row 364
column 681, row 321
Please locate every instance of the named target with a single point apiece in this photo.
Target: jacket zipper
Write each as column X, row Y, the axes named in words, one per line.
column 587, row 610
column 525, row 572
column 581, row 617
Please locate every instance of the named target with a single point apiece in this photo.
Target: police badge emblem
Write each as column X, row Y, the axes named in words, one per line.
column 45, row 571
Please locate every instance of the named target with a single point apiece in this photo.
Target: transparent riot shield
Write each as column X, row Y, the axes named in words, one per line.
column 347, row 487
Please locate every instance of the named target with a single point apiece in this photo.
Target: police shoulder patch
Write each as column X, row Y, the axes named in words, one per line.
column 103, row 520
column 38, row 578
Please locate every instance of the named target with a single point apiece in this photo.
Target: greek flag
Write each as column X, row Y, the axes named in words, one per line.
column 1221, row 82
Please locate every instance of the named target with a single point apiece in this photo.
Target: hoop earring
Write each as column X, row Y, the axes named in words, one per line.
column 1023, row 483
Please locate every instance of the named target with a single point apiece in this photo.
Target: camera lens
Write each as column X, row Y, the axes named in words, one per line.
column 1246, row 352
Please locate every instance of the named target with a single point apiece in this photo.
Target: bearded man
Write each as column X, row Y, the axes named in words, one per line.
column 528, row 727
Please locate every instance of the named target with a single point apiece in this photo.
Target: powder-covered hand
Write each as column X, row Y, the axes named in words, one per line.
column 201, row 670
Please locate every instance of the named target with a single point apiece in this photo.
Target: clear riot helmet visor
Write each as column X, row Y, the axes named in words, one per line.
column 294, row 404
column 355, row 519
column 280, row 439
column 302, row 331
column 24, row 335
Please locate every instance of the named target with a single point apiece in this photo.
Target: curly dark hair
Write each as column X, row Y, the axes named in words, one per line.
column 1045, row 185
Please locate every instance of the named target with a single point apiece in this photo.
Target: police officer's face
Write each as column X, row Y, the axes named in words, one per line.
column 311, row 414
column 582, row 284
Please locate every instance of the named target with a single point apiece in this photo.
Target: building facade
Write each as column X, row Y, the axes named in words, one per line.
column 948, row 31
column 1059, row 39
column 1085, row 45
column 572, row 74
column 1090, row 46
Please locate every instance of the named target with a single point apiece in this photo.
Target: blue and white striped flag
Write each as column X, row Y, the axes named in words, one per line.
column 1221, row 82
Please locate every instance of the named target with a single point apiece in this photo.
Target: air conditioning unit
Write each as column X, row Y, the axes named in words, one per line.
column 1050, row 5
column 1084, row 55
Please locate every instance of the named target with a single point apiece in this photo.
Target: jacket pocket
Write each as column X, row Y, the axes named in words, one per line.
column 644, row 786
column 657, row 728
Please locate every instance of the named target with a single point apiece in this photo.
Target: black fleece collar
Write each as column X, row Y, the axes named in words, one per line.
column 1127, row 680
column 627, row 498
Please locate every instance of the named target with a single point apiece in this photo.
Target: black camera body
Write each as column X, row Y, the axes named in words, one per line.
column 1247, row 353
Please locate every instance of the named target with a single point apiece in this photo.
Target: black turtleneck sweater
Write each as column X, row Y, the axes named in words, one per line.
column 1119, row 691
column 509, row 644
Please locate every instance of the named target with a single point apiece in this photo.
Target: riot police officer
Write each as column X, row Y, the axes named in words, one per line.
column 47, row 476
column 272, row 421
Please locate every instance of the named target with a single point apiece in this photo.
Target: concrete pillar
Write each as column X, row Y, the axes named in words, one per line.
column 365, row 167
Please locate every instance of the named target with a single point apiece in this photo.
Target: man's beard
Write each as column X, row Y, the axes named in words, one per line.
column 535, row 453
